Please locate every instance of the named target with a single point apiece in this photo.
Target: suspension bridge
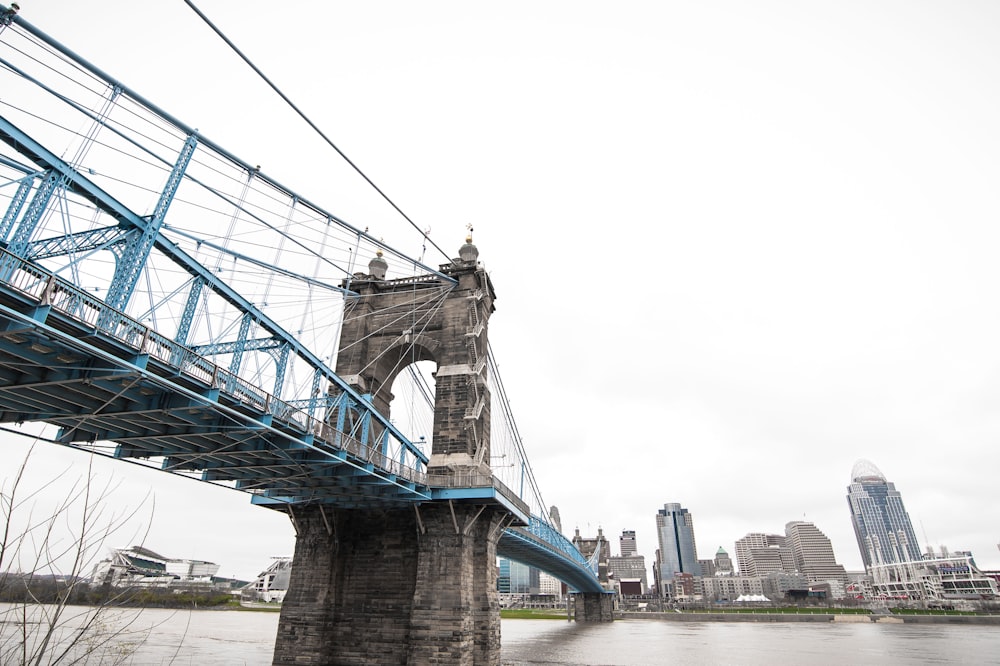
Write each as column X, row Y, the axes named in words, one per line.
column 166, row 303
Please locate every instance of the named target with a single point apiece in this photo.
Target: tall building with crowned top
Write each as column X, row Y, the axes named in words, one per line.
column 881, row 524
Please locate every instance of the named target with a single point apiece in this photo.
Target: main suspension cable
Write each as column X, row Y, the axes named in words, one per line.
column 311, row 124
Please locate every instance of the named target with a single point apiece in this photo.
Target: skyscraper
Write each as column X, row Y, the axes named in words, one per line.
column 881, row 524
column 675, row 532
column 759, row 554
column 517, row 578
column 629, row 569
column 813, row 553
column 723, row 563
column 626, row 543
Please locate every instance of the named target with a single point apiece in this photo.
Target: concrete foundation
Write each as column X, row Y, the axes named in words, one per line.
column 593, row 607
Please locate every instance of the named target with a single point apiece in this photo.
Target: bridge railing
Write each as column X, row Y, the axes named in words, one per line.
column 477, row 480
column 553, row 538
column 47, row 289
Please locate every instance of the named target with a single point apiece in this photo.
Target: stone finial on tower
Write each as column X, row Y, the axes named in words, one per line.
column 378, row 266
column 468, row 253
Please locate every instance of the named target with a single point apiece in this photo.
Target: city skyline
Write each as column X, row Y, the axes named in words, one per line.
column 870, row 496
column 768, row 227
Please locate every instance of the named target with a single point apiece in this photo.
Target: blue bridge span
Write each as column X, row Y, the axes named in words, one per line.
column 187, row 335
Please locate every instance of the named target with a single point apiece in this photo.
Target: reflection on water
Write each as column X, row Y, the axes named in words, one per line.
column 224, row 638
column 644, row 642
column 151, row 636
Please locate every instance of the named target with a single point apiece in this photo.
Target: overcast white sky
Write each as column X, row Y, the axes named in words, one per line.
column 737, row 245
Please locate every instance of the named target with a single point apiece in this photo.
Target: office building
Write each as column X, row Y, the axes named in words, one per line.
column 554, row 518
column 759, row 554
column 730, row 588
column 628, row 574
column 678, row 552
column 813, row 553
column 881, row 524
column 517, row 578
column 723, row 563
column 628, row 571
column 626, row 543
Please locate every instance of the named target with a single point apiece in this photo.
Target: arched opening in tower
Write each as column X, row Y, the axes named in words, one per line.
column 412, row 405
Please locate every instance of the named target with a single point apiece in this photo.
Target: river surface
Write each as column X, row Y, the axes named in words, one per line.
column 226, row 638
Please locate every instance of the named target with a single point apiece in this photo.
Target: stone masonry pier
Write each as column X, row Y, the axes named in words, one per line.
column 407, row 584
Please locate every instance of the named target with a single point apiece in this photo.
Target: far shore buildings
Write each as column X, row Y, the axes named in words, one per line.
column 773, row 565
column 628, row 570
column 881, row 524
column 139, row 566
column 271, row 584
column 677, row 552
column 723, row 564
column 941, row 578
column 896, row 568
column 814, row 558
column 801, row 564
column 774, row 568
column 768, row 564
column 758, row 554
column 523, row 586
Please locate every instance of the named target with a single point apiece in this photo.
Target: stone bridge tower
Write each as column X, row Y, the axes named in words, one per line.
column 408, row 584
column 395, row 323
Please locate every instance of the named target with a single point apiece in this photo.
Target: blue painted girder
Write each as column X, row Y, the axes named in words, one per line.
column 96, row 388
column 549, row 555
column 58, row 369
column 74, row 181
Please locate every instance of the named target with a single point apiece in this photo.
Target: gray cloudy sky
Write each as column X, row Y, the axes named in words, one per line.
column 737, row 245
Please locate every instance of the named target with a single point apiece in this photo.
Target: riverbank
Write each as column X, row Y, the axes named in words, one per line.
column 810, row 615
column 901, row 618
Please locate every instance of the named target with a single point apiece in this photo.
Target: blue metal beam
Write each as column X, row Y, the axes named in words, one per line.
column 521, row 544
column 280, row 366
column 240, row 344
column 187, row 317
column 82, row 241
column 279, row 434
column 314, row 393
column 15, row 205
column 22, row 234
column 257, row 344
column 133, row 260
column 92, row 192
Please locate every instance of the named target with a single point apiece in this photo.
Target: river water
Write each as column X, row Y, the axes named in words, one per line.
column 226, row 638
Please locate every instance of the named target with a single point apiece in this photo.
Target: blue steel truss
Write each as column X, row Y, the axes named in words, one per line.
column 119, row 386
column 540, row 545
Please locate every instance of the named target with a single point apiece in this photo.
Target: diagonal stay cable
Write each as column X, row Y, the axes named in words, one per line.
column 311, row 123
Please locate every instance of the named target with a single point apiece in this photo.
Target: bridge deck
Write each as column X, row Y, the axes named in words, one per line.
column 159, row 402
